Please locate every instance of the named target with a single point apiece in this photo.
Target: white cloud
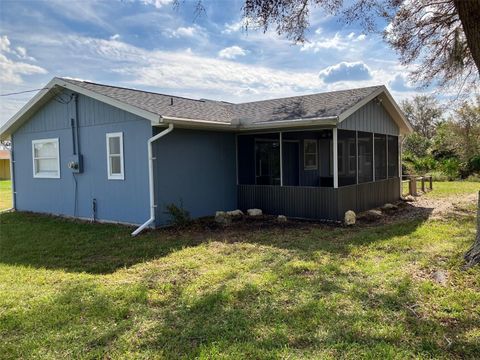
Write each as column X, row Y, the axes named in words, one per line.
column 233, row 27
column 115, row 37
column 4, row 44
column 190, row 74
column 236, row 26
column 157, row 3
column 337, row 42
column 11, row 71
column 346, row 71
column 186, row 32
column 232, row 52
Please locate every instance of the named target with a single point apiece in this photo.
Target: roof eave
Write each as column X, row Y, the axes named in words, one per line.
column 47, row 93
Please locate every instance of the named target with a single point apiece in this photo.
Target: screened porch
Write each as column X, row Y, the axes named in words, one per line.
column 317, row 174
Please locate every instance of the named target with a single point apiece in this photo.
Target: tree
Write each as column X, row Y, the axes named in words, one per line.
column 424, row 113
column 472, row 257
column 439, row 38
column 467, row 119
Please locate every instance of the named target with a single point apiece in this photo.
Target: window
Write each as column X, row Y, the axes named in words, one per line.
column 380, row 157
column 267, row 162
column 310, row 155
column 115, row 156
column 46, row 158
column 365, row 157
column 392, row 156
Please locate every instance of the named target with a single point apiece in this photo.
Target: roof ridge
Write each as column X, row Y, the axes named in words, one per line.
column 138, row 90
column 308, row 95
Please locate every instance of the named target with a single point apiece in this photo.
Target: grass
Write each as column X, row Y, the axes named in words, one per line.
column 446, row 188
column 5, row 194
column 455, row 188
column 76, row 290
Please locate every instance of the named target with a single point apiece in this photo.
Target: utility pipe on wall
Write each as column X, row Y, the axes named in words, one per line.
column 150, row 179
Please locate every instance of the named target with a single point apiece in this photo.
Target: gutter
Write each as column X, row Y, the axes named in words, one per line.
column 150, row 179
column 12, row 177
column 328, row 120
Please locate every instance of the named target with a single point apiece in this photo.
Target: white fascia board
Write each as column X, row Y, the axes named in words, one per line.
column 172, row 119
column 48, row 93
column 393, row 103
column 285, row 124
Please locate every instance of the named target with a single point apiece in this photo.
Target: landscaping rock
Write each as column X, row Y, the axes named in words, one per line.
column 409, row 198
column 235, row 213
column 350, row 218
column 371, row 215
column 254, row 212
column 389, row 207
column 282, row 218
column 222, row 218
column 440, row 277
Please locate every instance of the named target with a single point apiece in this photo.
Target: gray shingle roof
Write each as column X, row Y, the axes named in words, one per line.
column 161, row 104
column 327, row 104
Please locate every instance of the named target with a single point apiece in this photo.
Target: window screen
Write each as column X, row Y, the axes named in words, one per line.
column 380, row 157
column 347, row 158
column 46, row 158
column 392, row 156
column 365, row 157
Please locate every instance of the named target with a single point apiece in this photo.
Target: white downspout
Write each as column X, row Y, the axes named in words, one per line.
column 150, row 179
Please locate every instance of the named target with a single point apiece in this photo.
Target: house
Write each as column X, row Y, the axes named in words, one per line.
column 108, row 153
column 4, row 164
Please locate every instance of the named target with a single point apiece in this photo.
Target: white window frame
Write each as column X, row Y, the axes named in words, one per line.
column 43, row 175
column 121, row 175
column 305, row 166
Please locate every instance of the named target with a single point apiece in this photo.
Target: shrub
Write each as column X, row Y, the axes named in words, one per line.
column 438, row 176
column 474, row 164
column 474, row 178
column 451, row 168
column 178, row 215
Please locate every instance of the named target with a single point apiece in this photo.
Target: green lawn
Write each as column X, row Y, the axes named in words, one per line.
column 78, row 290
column 5, row 194
column 445, row 189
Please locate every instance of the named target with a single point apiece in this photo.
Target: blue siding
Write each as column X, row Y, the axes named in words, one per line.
column 196, row 168
column 371, row 118
column 117, row 200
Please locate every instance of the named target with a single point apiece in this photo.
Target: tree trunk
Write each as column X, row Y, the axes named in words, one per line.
column 469, row 13
column 472, row 257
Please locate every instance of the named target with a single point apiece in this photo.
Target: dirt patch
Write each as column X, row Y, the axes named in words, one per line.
column 437, row 208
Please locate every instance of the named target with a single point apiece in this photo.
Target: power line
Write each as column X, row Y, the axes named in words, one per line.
column 23, row 92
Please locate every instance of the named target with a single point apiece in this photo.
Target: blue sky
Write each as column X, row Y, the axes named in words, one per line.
column 147, row 44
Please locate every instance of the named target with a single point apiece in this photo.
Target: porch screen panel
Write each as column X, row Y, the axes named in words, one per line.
column 347, row 157
column 380, row 157
column 392, row 156
column 246, row 159
column 267, row 161
column 365, row 157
